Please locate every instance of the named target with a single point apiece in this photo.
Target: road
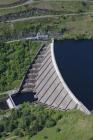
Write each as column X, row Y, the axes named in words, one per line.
column 49, row 16
column 14, row 6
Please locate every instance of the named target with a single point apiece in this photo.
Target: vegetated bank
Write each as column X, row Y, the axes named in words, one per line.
column 67, row 26
column 36, row 122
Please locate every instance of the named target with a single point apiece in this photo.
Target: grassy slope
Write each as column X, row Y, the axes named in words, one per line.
column 73, row 126
column 74, row 25
column 62, row 6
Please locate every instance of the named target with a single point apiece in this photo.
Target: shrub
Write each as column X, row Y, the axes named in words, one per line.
column 58, row 130
column 45, row 137
column 50, row 123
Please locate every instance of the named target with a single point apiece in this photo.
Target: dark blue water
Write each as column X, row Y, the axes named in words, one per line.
column 20, row 98
column 75, row 62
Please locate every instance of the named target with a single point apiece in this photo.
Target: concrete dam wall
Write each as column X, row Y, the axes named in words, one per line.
column 44, row 82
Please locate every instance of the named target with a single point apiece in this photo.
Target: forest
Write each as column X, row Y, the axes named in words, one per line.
column 27, row 120
column 15, row 58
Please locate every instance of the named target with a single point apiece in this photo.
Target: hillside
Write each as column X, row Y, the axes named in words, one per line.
column 60, row 19
column 39, row 123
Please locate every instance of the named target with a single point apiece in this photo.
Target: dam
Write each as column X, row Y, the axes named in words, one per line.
column 56, row 79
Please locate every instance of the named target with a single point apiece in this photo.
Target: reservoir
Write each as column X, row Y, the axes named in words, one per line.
column 75, row 62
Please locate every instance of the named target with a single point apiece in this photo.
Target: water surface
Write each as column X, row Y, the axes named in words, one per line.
column 75, row 62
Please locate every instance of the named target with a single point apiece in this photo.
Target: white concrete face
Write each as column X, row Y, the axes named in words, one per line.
column 9, row 103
